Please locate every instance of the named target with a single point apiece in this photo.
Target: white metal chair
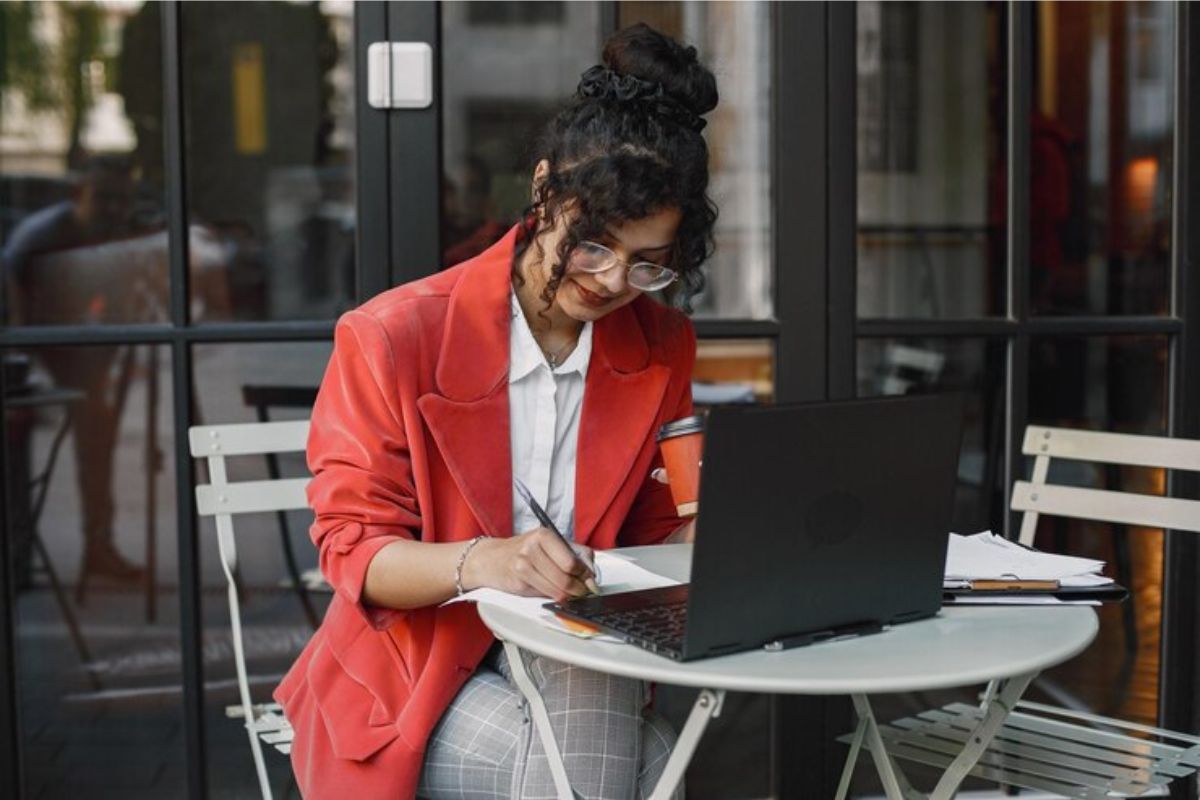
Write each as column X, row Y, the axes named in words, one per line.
column 1054, row 749
column 221, row 500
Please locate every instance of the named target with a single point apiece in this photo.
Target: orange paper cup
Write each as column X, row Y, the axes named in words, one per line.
column 682, row 444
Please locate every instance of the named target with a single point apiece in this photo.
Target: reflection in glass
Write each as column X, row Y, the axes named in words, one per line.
column 492, row 113
column 975, row 367
column 249, row 383
column 1117, row 384
column 733, row 371
column 931, row 159
column 1101, row 158
column 90, row 520
column 82, row 228
column 269, row 90
column 734, row 40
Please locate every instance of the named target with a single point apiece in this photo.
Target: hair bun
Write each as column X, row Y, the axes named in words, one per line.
column 601, row 83
column 641, row 52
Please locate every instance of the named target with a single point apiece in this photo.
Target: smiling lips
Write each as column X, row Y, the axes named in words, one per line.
column 591, row 298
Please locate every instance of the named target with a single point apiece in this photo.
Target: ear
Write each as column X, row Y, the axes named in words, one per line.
column 539, row 175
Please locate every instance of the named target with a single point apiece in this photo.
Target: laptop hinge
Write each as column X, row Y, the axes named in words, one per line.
column 846, row 631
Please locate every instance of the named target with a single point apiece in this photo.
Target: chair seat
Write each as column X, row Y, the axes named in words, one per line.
column 1038, row 749
column 271, row 726
column 312, row 581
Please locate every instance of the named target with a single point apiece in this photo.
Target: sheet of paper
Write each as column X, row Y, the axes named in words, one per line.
column 986, row 555
column 616, row 575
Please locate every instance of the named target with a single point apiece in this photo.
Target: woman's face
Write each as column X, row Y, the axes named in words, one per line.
column 588, row 296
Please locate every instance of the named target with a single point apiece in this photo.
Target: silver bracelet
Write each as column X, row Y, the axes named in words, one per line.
column 462, row 559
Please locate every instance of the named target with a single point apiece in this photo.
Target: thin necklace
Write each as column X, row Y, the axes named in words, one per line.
column 553, row 356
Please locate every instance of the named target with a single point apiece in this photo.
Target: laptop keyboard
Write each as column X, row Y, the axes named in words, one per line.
column 658, row 628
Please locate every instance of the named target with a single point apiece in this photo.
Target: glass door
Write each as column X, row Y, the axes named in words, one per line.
column 181, row 211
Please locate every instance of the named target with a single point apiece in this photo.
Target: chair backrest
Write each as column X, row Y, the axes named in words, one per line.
column 221, row 500
column 1036, row 496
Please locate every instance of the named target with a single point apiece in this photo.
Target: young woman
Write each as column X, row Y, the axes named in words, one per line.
column 540, row 360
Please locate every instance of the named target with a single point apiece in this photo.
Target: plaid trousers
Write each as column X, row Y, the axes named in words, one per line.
column 485, row 746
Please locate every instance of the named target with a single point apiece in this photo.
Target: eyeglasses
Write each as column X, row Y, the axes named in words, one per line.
column 593, row 257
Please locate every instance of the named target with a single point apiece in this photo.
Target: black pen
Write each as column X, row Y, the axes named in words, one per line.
column 544, row 519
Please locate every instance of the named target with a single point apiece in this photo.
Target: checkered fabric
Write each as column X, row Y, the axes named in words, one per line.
column 485, row 746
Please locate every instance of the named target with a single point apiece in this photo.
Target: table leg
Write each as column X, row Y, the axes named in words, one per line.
column 851, row 759
column 1001, row 698
column 895, row 782
column 541, row 721
column 707, row 707
column 1000, row 704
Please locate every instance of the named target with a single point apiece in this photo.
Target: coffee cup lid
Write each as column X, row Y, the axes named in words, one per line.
column 681, row 427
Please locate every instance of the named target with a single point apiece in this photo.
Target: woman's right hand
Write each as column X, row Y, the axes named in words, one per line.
column 534, row 564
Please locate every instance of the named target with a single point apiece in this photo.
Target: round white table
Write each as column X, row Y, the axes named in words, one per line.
column 1005, row 645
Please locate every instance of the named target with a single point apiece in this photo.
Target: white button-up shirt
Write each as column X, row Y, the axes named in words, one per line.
column 543, row 413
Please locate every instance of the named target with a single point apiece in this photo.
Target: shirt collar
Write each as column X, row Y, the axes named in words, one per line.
column 525, row 355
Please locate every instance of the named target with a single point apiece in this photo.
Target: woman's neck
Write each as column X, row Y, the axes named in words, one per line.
column 547, row 324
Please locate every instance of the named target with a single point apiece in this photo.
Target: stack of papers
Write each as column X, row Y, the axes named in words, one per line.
column 988, row 557
column 616, row 575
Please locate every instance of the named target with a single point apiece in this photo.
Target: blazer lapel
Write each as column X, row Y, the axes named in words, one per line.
column 468, row 414
column 621, row 401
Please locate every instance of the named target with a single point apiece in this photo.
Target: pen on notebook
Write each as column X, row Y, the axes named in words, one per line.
column 544, row 519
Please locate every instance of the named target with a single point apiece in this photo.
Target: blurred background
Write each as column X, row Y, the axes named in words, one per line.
column 981, row 196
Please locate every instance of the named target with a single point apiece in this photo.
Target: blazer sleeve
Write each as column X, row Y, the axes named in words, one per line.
column 362, row 489
column 652, row 517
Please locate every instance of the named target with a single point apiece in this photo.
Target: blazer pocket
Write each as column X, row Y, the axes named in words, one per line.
column 356, row 721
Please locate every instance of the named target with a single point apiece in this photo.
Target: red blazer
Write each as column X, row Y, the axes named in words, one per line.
column 410, row 440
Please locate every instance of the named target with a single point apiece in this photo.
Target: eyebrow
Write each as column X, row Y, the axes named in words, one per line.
column 614, row 238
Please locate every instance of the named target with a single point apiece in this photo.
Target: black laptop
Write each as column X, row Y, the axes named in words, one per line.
column 817, row 521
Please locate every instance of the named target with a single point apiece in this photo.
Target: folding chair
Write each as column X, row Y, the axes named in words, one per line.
column 222, row 500
column 1045, row 747
column 264, row 397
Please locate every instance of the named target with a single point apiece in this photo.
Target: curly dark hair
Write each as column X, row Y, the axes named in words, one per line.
column 626, row 146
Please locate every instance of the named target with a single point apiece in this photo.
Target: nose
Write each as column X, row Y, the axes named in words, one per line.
column 612, row 279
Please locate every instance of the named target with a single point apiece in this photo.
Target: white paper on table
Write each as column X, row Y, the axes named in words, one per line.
column 987, row 556
column 616, row 575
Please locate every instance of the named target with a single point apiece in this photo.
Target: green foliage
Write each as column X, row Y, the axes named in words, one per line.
column 23, row 62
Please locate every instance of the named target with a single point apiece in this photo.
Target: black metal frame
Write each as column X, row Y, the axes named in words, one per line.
column 1179, row 696
column 813, row 186
column 374, row 139
column 827, row 355
column 11, row 766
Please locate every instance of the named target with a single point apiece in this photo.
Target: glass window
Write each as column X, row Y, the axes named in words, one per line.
column 82, row 229
column 973, row 366
column 734, row 371
column 1112, row 383
column 734, row 40
column 248, row 383
column 90, row 502
column 269, row 94
column 1101, row 158
column 492, row 112
column 931, row 159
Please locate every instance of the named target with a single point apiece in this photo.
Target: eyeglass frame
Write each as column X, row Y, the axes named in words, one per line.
column 615, row 260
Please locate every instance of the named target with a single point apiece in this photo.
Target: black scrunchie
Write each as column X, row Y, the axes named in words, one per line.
column 601, row 83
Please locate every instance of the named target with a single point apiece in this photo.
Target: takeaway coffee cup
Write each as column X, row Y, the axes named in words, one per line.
column 682, row 443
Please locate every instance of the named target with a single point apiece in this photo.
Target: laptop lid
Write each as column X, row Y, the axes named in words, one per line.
column 821, row 516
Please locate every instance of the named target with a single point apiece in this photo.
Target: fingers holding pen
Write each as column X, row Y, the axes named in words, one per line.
column 569, row 566
column 538, row 563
